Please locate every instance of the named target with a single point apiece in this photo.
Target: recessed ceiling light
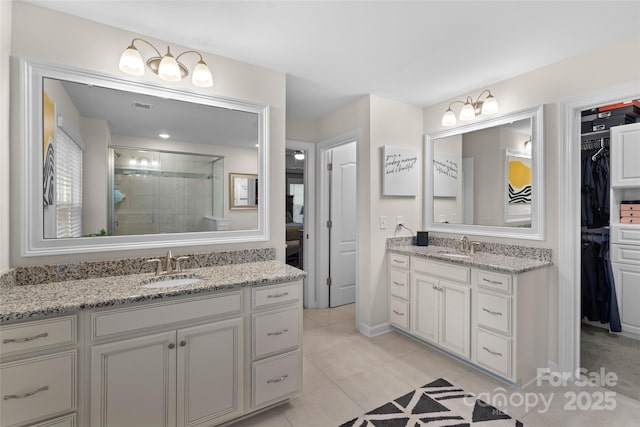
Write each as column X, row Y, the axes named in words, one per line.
column 164, row 135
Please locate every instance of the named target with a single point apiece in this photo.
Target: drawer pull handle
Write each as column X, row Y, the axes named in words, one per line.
column 398, row 261
column 9, row 340
column 495, row 353
column 23, row 395
column 277, row 332
column 398, row 313
column 277, row 380
column 398, row 283
column 284, row 294
column 493, row 282
column 171, row 346
column 497, row 313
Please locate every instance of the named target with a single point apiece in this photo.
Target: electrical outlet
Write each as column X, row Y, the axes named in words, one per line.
column 443, row 218
column 454, row 217
column 383, row 222
column 399, row 220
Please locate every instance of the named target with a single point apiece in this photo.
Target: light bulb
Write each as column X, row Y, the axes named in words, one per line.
column 448, row 119
column 164, row 135
column 169, row 69
column 299, row 155
column 490, row 105
column 202, row 75
column 131, row 62
column 468, row 112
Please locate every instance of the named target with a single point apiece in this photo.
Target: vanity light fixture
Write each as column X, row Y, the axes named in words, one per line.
column 166, row 66
column 471, row 108
column 298, row 155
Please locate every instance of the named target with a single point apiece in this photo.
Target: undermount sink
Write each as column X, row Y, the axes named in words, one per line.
column 169, row 282
column 454, row 255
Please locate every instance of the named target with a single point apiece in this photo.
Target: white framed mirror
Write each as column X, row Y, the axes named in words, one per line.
column 110, row 164
column 486, row 178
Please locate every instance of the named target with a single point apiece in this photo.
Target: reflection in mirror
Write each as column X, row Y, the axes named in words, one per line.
column 243, row 191
column 485, row 178
column 475, row 172
column 82, row 133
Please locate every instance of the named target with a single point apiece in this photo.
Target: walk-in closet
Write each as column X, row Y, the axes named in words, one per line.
column 610, row 243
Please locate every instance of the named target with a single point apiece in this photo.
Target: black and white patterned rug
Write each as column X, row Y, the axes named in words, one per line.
column 437, row 404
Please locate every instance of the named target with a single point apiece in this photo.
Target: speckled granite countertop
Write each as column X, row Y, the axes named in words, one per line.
column 483, row 260
column 29, row 301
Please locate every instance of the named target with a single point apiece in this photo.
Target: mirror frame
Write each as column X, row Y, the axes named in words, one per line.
column 31, row 74
column 232, row 190
column 536, row 231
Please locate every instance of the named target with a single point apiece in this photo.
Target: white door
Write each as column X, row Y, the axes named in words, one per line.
column 209, row 373
column 133, row 382
column 627, row 282
column 426, row 310
column 625, row 152
column 342, row 233
column 455, row 317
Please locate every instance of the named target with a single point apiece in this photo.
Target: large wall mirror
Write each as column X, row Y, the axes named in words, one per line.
column 486, row 178
column 111, row 164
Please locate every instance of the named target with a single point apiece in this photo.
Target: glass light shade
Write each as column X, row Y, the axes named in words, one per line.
column 131, row 62
column 168, row 69
column 299, row 156
column 468, row 112
column 202, row 75
column 490, row 105
column 448, row 119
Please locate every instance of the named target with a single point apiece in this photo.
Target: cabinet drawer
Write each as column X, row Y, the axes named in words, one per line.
column 494, row 312
column 274, row 295
column 66, row 421
column 276, row 377
column 399, row 261
column 399, row 283
column 37, row 335
column 37, row 387
column 625, row 254
column 494, row 352
column 629, row 234
column 399, row 313
column 112, row 322
column 275, row 332
column 491, row 280
column 446, row 271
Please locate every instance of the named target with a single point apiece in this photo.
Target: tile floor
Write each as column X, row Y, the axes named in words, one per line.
column 346, row 374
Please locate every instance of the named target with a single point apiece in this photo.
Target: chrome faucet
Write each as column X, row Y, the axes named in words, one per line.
column 465, row 246
column 169, row 262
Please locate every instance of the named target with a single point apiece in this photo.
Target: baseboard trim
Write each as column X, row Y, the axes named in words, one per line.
column 372, row 331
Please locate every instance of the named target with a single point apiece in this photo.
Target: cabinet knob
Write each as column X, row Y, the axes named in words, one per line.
column 172, row 346
column 183, row 343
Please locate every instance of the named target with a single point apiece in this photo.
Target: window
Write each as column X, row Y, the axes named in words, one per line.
column 68, row 172
column 297, row 191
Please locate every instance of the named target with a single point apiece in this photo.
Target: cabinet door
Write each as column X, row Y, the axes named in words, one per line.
column 133, row 382
column 627, row 282
column 455, row 318
column 625, row 152
column 425, row 298
column 210, row 360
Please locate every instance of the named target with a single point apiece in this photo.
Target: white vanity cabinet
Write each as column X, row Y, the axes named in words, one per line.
column 399, row 291
column 493, row 320
column 189, row 376
column 441, row 307
column 38, row 373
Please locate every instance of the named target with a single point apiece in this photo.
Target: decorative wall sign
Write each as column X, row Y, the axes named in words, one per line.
column 517, row 186
column 48, row 138
column 399, row 171
column 446, row 169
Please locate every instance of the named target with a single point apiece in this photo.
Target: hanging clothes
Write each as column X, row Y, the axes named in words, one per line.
column 595, row 186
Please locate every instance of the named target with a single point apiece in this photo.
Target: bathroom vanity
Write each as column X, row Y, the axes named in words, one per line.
column 486, row 309
column 108, row 352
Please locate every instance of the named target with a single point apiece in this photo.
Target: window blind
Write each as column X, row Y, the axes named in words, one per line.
column 68, row 185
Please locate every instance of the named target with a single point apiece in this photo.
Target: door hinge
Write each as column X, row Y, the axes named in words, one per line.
column 329, row 223
column 329, row 166
column 328, row 281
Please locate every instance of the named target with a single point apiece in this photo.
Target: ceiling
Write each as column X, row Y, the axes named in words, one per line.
column 419, row 52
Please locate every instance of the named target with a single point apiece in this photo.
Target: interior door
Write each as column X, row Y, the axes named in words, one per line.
column 342, row 233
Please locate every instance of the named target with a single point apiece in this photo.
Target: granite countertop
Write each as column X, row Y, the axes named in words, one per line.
column 29, row 301
column 483, row 260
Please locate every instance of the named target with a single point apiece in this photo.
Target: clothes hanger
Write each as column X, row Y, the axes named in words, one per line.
column 595, row 156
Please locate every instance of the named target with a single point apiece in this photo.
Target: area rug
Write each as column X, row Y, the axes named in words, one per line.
column 437, row 404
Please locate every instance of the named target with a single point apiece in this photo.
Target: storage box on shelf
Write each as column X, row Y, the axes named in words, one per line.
column 625, row 228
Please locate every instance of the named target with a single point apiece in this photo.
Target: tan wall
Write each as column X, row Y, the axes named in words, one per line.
column 46, row 36
column 302, row 129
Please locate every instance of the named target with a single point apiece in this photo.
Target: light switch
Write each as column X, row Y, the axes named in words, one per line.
column 383, row 222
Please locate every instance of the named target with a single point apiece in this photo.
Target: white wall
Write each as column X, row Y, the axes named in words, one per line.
column 446, row 206
column 96, row 137
column 5, row 48
column 302, row 129
column 54, row 37
column 603, row 67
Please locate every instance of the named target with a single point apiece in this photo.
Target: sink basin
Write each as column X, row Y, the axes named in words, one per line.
column 169, row 282
column 454, row 255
